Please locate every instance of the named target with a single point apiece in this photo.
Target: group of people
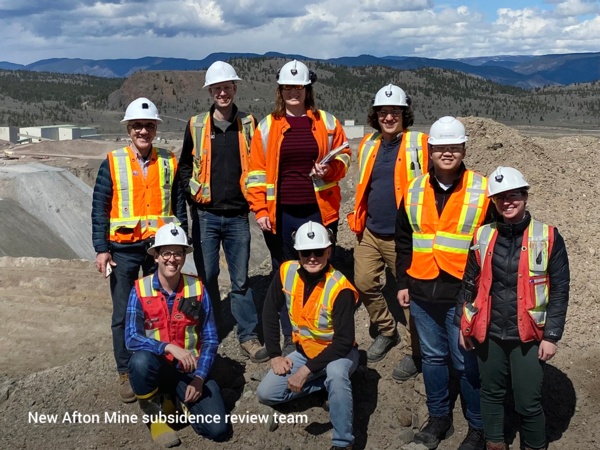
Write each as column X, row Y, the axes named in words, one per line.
column 483, row 286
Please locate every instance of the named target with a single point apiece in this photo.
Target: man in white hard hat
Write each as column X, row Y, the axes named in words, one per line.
column 387, row 160
column 321, row 303
column 436, row 220
column 137, row 190
column 214, row 167
column 172, row 334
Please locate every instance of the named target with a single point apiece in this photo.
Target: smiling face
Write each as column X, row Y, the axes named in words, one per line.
column 294, row 98
column 447, row 158
column 312, row 262
column 223, row 94
column 511, row 205
column 170, row 260
column 142, row 132
column 390, row 121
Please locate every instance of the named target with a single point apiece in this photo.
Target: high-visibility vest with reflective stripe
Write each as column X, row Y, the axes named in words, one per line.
column 312, row 322
column 443, row 242
column 532, row 282
column 264, row 166
column 176, row 327
column 412, row 161
column 140, row 205
column 200, row 129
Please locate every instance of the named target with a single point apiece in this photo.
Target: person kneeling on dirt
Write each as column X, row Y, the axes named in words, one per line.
column 321, row 303
column 171, row 330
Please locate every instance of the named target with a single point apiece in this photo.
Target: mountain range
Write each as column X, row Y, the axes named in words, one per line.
column 525, row 71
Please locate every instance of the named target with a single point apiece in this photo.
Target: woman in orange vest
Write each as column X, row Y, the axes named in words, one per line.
column 512, row 308
column 287, row 184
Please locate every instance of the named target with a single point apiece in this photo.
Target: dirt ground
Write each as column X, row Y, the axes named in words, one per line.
column 56, row 358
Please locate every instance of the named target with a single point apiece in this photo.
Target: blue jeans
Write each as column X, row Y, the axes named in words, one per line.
column 438, row 336
column 273, row 390
column 129, row 259
column 208, row 232
column 149, row 372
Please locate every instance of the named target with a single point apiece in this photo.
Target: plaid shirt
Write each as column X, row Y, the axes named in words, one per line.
column 136, row 339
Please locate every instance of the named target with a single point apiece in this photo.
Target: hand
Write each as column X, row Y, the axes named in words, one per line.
column 403, row 298
column 102, row 259
column 466, row 342
column 296, row 381
column 193, row 392
column 187, row 361
column 319, row 170
column 281, row 365
column 547, row 350
column 264, row 223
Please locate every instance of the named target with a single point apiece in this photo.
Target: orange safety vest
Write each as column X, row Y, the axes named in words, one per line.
column 175, row 328
column 443, row 242
column 532, row 283
column 264, row 166
column 201, row 130
column 140, row 205
column 312, row 322
column 413, row 160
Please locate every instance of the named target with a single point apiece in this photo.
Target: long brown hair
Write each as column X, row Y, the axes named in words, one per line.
column 309, row 102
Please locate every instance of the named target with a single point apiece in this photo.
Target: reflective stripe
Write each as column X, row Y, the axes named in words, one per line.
column 247, row 130
column 414, row 201
column 320, row 184
column 414, row 157
column 329, row 120
column 146, row 288
column 124, row 181
column 165, row 174
column 257, row 178
column 191, row 340
column 469, row 310
column 473, row 206
column 484, row 236
column 538, row 253
column 270, row 191
column 289, row 284
column 198, row 123
column 365, row 153
column 265, row 127
column 423, row 242
column 453, row 243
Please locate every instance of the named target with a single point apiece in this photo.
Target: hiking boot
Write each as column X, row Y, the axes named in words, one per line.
column 288, row 346
column 381, row 345
column 125, row 391
column 406, row 369
column 496, row 446
column 256, row 352
column 160, row 430
column 474, row 440
column 435, row 430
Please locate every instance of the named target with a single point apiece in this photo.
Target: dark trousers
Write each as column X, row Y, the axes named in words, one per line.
column 129, row 258
column 499, row 360
column 281, row 244
column 150, row 372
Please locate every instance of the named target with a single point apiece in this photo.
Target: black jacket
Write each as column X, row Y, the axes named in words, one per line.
column 445, row 287
column 505, row 265
column 102, row 203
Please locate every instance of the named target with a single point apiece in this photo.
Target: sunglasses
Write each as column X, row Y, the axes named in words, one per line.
column 510, row 196
column 382, row 114
column 138, row 126
column 317, row 252
column 289, row 87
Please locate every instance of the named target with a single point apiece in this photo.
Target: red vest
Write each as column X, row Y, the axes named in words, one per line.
column 532, row 284
column 176, row 328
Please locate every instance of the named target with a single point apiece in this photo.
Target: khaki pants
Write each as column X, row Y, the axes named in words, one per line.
column 371, row 254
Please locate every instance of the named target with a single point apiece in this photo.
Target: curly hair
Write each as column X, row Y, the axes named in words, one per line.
column 309, row 102
column 408, row 117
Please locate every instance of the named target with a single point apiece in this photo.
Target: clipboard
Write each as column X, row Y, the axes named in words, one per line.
column 333, row 153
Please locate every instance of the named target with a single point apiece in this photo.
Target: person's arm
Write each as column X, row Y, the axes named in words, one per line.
column 101, row 205
column 270, row 316
column 560, row 278
column 135, row 337
column 178, row 197
column 210, row 340
column 186, row 160
column 403, row 240
column 343, row 333
column 470, row 285
column 257, row 176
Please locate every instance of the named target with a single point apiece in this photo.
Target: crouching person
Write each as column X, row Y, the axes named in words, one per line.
column 171, row 330
column 321, row 303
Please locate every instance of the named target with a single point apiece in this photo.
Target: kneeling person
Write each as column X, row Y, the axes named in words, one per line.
column 321, row 302
column 171, row 330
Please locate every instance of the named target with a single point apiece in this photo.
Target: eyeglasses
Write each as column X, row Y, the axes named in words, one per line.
column 289, row 87
column 138, row 126
column 509, row 196
column 382, row 114
column 218, row 89
column 457, row 148
column 166, row 255
column 317, row 252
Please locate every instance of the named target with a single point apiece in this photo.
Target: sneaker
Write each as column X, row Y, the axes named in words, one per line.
column 474, row 440
column 405, row 370
column 288, row 346
column 381, row 345
column 125, row 391
column 435, row 430
column 256, row 352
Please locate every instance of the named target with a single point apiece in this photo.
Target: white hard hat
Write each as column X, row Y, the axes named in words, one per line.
column 295, row 72
column 390, row 95
column 447, row 131
column 141, row 109
column 170, row 234
column 219, row 72
column 311, row 236
column 505, row 179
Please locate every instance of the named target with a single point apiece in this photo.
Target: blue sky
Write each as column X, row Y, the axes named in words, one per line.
column 38, row 29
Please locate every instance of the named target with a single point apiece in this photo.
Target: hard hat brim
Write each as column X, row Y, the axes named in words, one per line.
column 188, row 248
